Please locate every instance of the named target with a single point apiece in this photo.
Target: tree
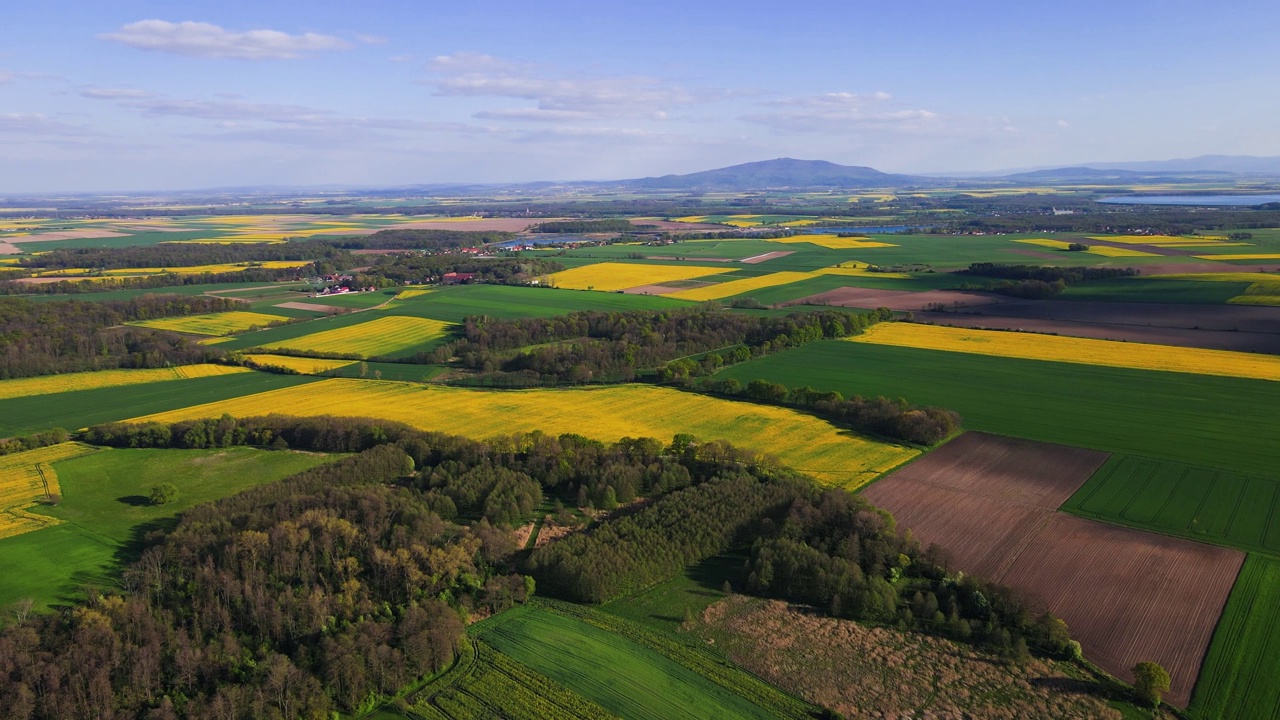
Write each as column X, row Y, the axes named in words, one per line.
column 1150, row 682
column 163, row 494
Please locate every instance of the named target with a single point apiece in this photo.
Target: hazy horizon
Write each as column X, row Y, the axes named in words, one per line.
column 144, row 95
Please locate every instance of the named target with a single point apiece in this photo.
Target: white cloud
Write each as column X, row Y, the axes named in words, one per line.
column 557, row 98
column 97, row 93
column 842, row 112
column 205, row 40
column 1063, row 124
column 28, row 128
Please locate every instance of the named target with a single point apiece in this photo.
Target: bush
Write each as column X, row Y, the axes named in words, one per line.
column 163, row 494
column 1150, row 682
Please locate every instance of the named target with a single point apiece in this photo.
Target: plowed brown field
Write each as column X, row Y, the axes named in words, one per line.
column 1127, row 595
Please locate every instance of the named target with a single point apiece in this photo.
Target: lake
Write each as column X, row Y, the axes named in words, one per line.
column 1227, row 200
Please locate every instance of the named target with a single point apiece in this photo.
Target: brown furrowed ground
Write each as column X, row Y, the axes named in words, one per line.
column 1127, row 595
column 756, row 259
column 1130, row 595
column 867, row 672
column 897, row 299
column 1244, row 328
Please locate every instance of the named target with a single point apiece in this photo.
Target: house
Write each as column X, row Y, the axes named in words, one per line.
column 451, row 278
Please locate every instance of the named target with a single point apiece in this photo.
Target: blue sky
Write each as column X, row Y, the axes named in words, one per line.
column 148, row 95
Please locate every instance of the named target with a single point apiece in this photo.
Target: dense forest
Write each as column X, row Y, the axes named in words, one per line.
column 431, row 240
column 169, row 255
column 399, row 269
column 1037, row 282
column 594, row 346
column 584, row 226
column 47, row 338
column 332, row 589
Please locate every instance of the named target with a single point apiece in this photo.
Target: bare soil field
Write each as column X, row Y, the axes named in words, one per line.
column 313, row 307
column 481, row 225
column 756, row 259
column 1247, row 328
column 1181, row 337
column 866, row 672
column 996, row 466
column 1127, row 595
column 652, row 290
column 897, row 299
column 71, row 235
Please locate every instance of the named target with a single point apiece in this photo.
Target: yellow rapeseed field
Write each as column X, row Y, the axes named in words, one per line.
column 1055, row 244
column 835, row 242
column 382, row 336
column 48, row 384
column 26, row 478
column 1107, row 251
column 1240, row 256
column 1084, row 351
column 306, row 366
column 611, row 276
column 803, row 442
column 412, row 293
column 217, row 324
column 737, row 287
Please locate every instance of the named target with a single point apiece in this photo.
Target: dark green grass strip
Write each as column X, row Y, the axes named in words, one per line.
column 1200, row 503
column 82, row 408
column 1238, row 678
column 624, row 678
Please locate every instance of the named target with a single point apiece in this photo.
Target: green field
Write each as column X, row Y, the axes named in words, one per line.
column 623, row 677
column 1201, row 503
column 485, row 684
column 1238, row 678
column 1226, row 423
column 1155, row 290
column 664, row 606
column 104, row 509
column 82, row 408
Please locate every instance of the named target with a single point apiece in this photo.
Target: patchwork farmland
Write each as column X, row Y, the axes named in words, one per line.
column 1127, row 595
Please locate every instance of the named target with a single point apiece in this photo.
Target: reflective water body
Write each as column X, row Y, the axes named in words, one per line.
column 1231, row 200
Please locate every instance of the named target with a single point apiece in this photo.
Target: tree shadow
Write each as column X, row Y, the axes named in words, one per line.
column 134, row 500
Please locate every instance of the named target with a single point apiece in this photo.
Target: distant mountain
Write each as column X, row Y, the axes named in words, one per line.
column 1074, row 173
column 779, row 173
column 1241, row 164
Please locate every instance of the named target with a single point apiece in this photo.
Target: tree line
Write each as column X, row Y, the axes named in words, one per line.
column 430, row 240
column 1038, row 282
column 48, row 338
column 395, row 270
column 168, row 255
column 583, row 226
column 598, row 346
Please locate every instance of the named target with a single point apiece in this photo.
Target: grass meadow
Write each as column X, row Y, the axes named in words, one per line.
column 104, row 508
